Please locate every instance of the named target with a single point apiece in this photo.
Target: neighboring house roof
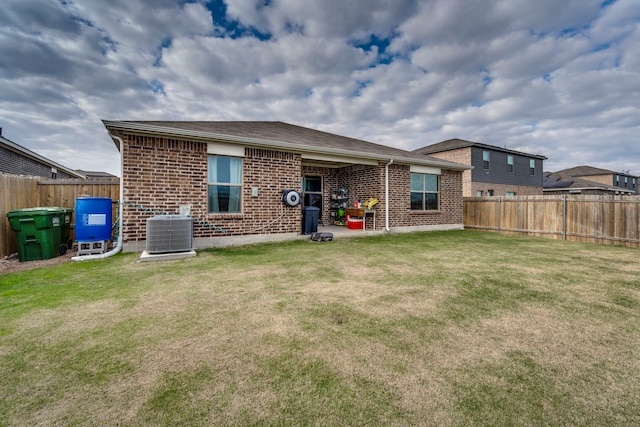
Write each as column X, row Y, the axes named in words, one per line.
column 12, row 146
column 456, row 143
column 95, row 174
column 560, row 181
column 281, row 136
column 588, row 171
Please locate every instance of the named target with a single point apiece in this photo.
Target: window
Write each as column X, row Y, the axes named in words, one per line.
column 532, row 167
column 617, row 184
column 510, row 194
column 489, row 192
column 486, row 160
column 312, row 191
column 479, row 193
column 625, row 182
column 424, row 192
column 225, row 184
column 633, row 183
column 510, row 164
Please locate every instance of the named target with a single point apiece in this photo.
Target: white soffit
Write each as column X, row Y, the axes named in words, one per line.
column 338, row 159
column 222, row 149
column 425, row 169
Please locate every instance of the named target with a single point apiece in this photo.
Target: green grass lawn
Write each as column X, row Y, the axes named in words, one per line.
column 444, row 328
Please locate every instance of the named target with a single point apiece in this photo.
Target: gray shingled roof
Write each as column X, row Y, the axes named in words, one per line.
column 585, row 171
column 456, row 143
column 95, row 174
column 279, row 134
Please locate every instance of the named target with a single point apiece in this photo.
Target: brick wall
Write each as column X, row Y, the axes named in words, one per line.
column 270, row 172
column 400, row 213
column 502, row 189
column 451, row 201
column 162, row 174
column 460, row 155
column 601, row 179
column 363, row 182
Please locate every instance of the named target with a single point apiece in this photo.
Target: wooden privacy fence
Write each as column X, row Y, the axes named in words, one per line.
column 18, row 192
column 596, row 219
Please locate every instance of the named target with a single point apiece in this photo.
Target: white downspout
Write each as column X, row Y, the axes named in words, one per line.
column 386, row 196
column 118, row 246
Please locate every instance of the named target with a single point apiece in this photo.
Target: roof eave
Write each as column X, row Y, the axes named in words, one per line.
column 289, row 146
column 609, row 189
column 471, row 144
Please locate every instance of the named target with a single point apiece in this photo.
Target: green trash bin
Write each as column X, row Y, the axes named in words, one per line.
column 39, row 232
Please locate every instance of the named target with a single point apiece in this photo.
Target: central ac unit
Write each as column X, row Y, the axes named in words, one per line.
column 169, row 233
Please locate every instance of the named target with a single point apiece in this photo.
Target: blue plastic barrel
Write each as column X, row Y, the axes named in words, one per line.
column 93, row 219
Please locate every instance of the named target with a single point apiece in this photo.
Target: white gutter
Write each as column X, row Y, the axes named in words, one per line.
column 386, row 195
column 118, row 246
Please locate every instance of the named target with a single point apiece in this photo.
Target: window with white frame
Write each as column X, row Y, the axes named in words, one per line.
column 486, row 160
column 225, row 184
column 510, row 163
column 424, row 192
column 532, row 167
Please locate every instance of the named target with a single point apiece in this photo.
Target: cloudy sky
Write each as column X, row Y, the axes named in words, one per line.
column 559, row 78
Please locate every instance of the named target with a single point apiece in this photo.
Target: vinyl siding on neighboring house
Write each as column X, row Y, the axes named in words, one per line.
column 497, row 180
column 618, row 180
column 497, row 173
column 17, row 164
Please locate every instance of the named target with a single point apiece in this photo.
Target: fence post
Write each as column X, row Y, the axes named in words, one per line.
column 499, row 212
column 564, row 217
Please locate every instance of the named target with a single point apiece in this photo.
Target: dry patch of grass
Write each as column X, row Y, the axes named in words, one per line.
column 455, row 328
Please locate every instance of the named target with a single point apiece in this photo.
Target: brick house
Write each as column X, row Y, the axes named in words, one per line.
column 231, row 175
column 590, row 180
column 17, row 160
column 496, row 171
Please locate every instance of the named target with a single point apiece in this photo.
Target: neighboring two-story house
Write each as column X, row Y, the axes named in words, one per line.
column 496, row 171
column 590, row 180
column 17, row 160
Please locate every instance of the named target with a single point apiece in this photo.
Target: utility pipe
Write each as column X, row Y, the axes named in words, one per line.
column 386, row 195
column 118, row 246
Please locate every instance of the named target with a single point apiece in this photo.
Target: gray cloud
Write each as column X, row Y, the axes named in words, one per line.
column 553, row 78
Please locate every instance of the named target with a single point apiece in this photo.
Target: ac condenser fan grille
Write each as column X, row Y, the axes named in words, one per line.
column 169, row 233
